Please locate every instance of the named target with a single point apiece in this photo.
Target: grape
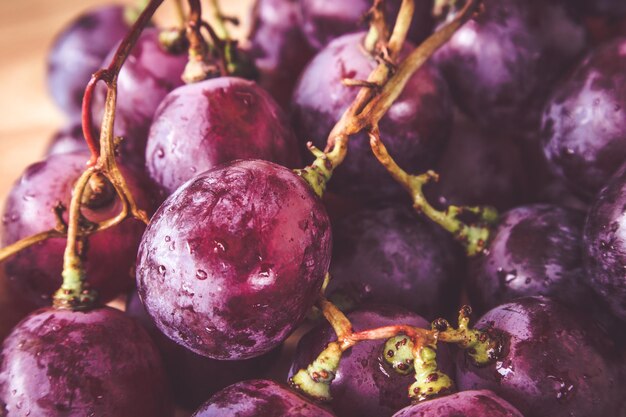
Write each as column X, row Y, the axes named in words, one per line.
column 325, row 20
column 603, row 7
column 415, row 129
column 68, row 140
column 195, row 378
column 78, row 52
column 555, row 363
column 36, row 271
column 199, row 126
column 12, row 308
column 605, row 246
column 501, row 63
column 392, row 256
column 365, row 385
column 278, row 47
column 482, row 403
column 94, row 363
column 259, row 398
column 148, row 75
column 584, row 128
column 232, row 261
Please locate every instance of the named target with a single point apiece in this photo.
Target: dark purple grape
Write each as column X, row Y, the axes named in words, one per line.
column 278, row 47
column 501, row 64
column 481, row 168
column 610, row 8
column 195, row 378
column 390, row 255
column 68, row 140
column 29, row 209
column 325, row 20
column 148, row 75
column 365, row 385
column 584, row 122
column 199, row 126
column 605, row 244
column 234, row 259
column 12, row 308
column 415, row 129
column 61, row 363
column 555, row 362
column 78, row 52
column 259, row 398
column 482, row 403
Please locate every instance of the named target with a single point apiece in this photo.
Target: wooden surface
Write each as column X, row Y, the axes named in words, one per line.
column 28, row 117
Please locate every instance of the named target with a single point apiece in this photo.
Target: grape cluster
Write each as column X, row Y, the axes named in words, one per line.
column 291, row 223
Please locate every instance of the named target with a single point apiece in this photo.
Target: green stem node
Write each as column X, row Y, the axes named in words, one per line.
column 398, row 353
column 430, row 382
column 315, row 380
column 318, row 173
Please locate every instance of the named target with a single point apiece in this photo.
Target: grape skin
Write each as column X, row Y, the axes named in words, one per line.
column 234, row 259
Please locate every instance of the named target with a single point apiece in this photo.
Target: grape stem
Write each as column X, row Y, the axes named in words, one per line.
column 378, row 33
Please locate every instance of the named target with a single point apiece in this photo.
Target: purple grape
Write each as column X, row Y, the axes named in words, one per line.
column 584, row 124
column 29, row 209
column 415, row 129
column 148, row 75
column 390, row 255
column 482, row 403
column 501, row 64
column 199, row 126
column 259, row 398
column 610, row 8
column 365, row 385
column 68, row 140
column 278, row 47
column 325, row 20
column 556, row 363
column 233, row 260
column 95, row 363
column 605, row 245
column 195, row 378
column 78, row 52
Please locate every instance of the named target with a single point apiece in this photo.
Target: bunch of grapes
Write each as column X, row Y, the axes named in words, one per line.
column 298, row 222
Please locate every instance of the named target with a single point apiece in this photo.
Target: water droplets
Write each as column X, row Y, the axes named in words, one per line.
column 201, row 275
column 564, row 389
column 160, row 153
column 507, row 276
column 219, row 246
column 162, row 270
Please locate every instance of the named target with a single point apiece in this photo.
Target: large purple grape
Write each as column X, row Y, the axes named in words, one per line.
column 610, row 8
column 556, row 363
column 68, row 140
column 233, row 260
column 325, row 20
column 584, row 123
column 61, row 363
column 278, row 47
column 365, row 385
column 482, row 403
column 148, row 75
column 501, row 64
column 392, row 256
column 415, row 129
column 29, row 209
column 605, row 244
column 259, row 398
column 195, row 378
column 202, row 125
column 78, row 52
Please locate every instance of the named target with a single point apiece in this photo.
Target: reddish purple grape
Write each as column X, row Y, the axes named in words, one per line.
column 78, row 52
column 68, row 140
column 611, row 8
column 482, row 403
column 390, row 255
column 325, row 20
column 415, row 129
column 259, row 397
column 234, row 259
column 148, row 75
column 29, row 209
column 365, row 385
column 556, row 362
column 278, row 47
column 584, row 123
column 605, row 244
column 501, row 64
column 61, row 363
column 199, row 126
column 195, row 378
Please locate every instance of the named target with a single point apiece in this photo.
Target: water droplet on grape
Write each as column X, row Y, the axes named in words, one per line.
column 201, row 275
column 172, row 246
column 162, row 270
column 167, row 238
column 219, row 246
column 160, row 153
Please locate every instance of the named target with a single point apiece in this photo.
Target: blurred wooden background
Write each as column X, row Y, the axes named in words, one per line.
column 28, row 117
